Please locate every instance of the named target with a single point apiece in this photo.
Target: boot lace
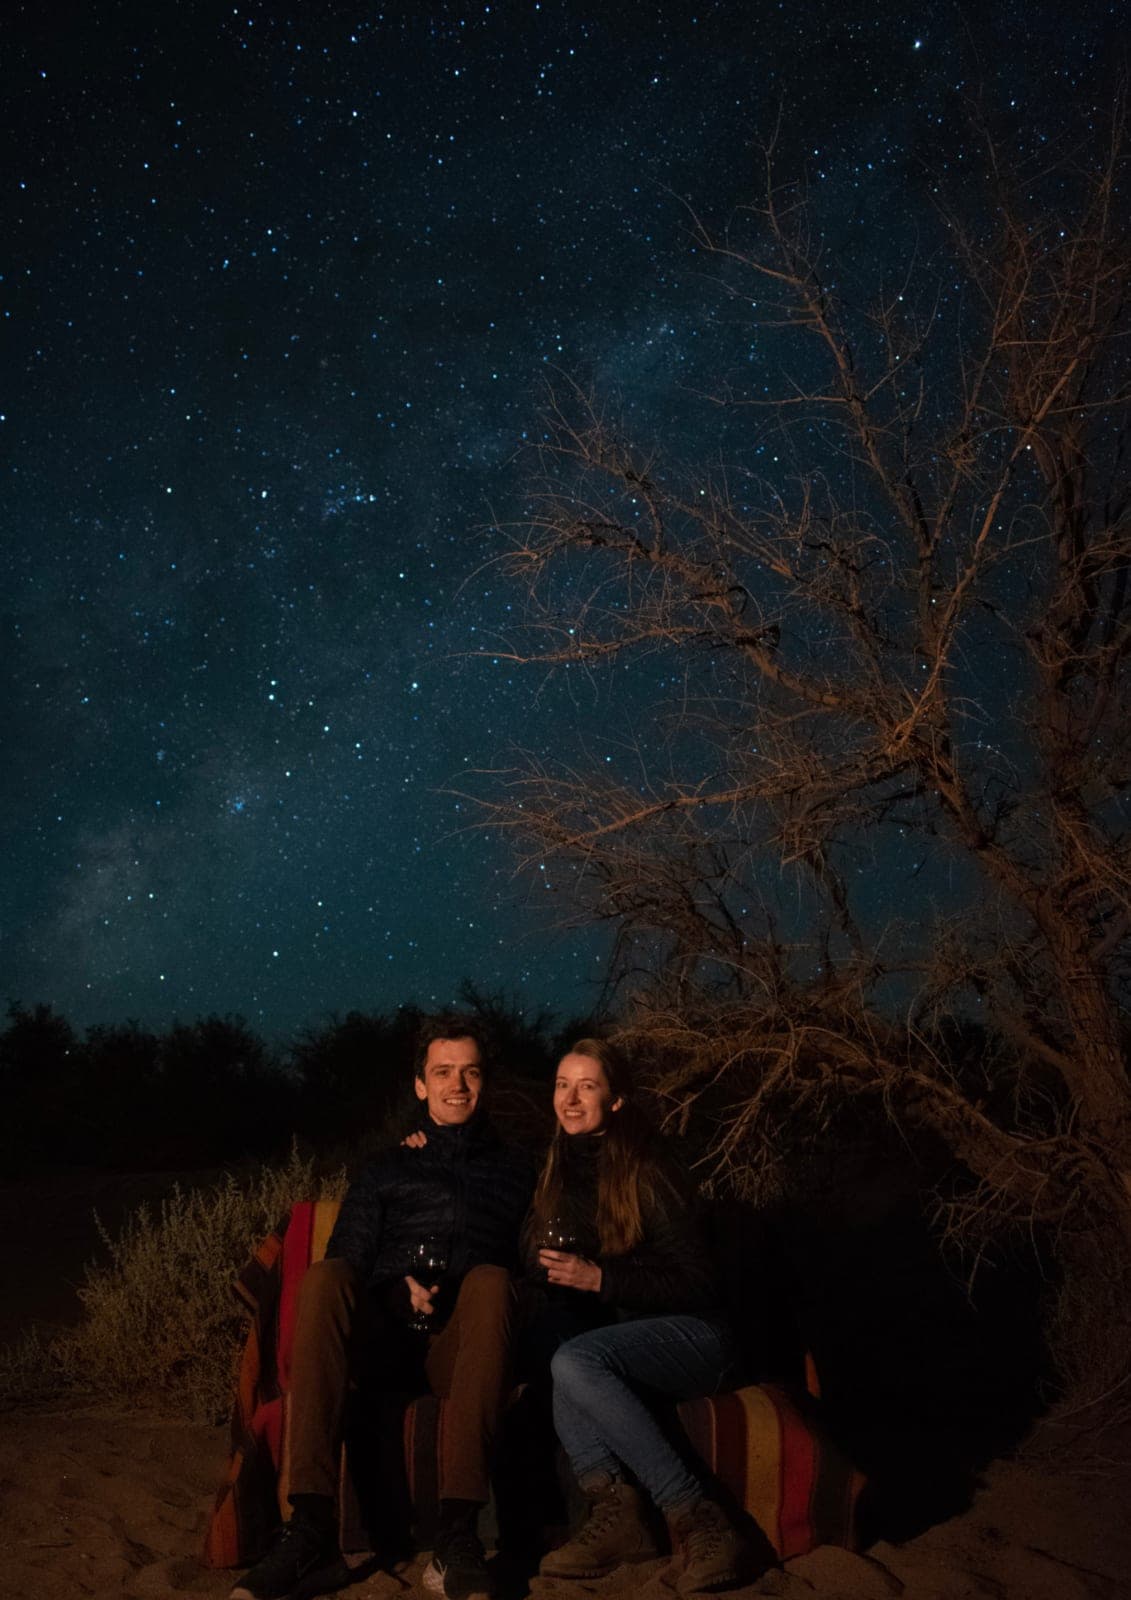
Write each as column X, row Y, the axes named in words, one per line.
column 602, row 1513
column 704, row 1533
column 295, row 1549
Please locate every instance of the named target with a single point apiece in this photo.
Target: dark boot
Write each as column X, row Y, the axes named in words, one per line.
column 615, row 1530
column 458, row 1568
column 708, row 1551
column 301, row 1548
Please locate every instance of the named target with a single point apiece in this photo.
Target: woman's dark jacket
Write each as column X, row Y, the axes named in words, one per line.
column 465, row 1187
column 672, row 1269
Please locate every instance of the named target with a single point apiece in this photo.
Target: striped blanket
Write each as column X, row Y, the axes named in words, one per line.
column 765, row 1446
column 768, row 1449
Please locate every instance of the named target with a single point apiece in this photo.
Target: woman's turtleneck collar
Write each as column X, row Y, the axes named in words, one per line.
column 582, row 1149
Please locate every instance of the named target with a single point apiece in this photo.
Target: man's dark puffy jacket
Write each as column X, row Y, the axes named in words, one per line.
column 464, row 1186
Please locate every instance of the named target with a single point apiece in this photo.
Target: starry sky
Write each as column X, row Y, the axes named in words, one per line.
column 282, row 285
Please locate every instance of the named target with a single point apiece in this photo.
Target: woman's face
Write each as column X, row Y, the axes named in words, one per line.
column 583, row 1101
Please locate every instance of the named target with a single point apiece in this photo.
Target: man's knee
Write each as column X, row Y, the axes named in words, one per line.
column 328, row 1283
column 487, row 1284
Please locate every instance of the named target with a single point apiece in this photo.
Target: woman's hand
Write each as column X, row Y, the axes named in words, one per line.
column 572, row 1272
column 415, row 1140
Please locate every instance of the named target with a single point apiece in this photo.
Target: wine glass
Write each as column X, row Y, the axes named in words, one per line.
column 429, row 1262
column 558, row 1233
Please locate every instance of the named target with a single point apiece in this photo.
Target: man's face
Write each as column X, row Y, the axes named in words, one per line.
column 452, row 1082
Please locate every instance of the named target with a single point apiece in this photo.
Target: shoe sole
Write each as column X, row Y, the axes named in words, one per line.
column 727, row 1580
column 432, row 1579
column 321, row 1580
column 602, row 1571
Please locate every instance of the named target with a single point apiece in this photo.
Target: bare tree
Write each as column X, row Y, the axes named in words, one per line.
column 917, row 627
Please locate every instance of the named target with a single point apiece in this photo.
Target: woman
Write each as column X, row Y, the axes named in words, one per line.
column 610, row 1185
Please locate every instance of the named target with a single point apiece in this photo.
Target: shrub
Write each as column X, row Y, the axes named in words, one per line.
column 161, row 1325
column 29, row 1372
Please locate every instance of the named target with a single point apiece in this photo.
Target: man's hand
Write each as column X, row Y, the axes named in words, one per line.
column 573, row 1272
column 415, row 1140
column 420, row 1297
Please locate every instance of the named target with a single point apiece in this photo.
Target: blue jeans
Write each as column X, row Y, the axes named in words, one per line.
column 607, row 1381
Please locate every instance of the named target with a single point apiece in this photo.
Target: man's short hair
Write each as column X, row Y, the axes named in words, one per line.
column 450, row 1025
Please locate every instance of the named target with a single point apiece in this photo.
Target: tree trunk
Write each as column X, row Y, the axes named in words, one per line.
column 1098, row 1079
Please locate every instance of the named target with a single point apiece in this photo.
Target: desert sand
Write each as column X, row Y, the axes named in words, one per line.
column 101, row 1505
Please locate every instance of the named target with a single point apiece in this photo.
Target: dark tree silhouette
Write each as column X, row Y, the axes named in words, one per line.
column 38, row 1084
column 119, row 1113
column 355, row 1074
column 220, row 1091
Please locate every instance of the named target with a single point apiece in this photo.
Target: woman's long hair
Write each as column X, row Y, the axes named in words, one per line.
column 626, row 1167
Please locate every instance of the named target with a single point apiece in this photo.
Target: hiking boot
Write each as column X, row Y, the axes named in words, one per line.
column 709, row 1552
column 615, row 1530
column 458, row 1568
column 299, row 1550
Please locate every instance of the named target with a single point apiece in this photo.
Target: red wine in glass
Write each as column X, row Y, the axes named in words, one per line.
column 430, row 1262
column 558, row 1233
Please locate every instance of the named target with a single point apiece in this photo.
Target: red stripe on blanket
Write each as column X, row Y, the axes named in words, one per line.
column 798, row 1475
column 728, row 1417
column 270, row 1420
column 296, row 1259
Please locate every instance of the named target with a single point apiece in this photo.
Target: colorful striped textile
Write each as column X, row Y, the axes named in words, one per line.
column 765, row 1447
column 770, row 1452
column 246, row 1509
column 253, row 1495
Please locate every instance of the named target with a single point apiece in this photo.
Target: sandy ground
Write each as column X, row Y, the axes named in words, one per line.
column 109, row 1506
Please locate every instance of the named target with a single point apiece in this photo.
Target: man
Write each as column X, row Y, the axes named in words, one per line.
column 458, row 1184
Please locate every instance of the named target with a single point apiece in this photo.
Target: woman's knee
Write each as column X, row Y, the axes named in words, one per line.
column 574, row 1365
column 327, row 1304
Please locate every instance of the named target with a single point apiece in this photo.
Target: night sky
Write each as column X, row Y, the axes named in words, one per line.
column 282, row 286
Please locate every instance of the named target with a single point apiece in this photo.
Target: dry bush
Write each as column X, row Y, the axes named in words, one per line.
column 29, row 1373
column 161, row 1325
column 860, row 769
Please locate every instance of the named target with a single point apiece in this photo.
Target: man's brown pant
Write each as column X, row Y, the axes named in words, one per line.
column 340, row 1336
